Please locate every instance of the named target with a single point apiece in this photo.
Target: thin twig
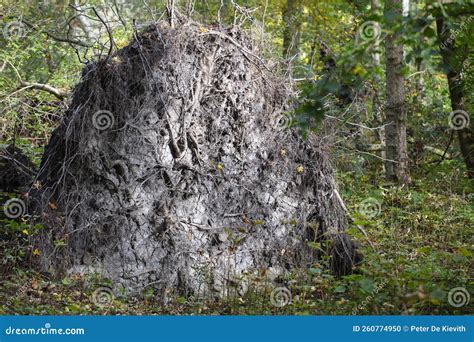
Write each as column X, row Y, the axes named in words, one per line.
column 55, row 37
column 111, row 39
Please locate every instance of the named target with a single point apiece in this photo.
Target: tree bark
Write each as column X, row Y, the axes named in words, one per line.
column 449, row 52
column 292, row 27
column 170, row 10
column 419, row 64
column 396, row 165
column 375, row 7
column 84, row 21
column 376, row 104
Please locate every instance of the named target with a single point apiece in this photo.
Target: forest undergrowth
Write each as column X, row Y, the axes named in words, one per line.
column 416, row 246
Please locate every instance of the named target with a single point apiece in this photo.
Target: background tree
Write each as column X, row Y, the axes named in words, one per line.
column 396, row 163
column 455, row 66
column 292, row 13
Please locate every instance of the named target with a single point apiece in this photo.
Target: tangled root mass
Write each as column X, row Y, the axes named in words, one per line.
column 172, row 168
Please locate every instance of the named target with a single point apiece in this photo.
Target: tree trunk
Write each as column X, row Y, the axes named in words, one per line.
column 292, row 26
column 419, row 63
column 84, row 21
column 375, row 7
column 460, row 120
column 376, row 103
column 396, row 165
column 170, row 8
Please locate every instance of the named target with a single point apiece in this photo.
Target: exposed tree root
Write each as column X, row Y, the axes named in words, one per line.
column 172, row 168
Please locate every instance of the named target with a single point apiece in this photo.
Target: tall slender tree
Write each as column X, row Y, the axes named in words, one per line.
column 377, row 105
column 292, row 27
column 396, row 164
column 460, row 120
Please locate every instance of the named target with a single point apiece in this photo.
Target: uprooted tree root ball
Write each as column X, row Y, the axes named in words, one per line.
column 172, row 169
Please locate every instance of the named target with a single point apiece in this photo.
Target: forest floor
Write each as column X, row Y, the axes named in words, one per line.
column 417, row 246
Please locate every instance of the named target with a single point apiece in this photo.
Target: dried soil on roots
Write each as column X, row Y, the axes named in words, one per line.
column 172, row 169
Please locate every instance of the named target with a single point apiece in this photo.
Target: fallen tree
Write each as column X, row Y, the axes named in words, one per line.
column 173, row 169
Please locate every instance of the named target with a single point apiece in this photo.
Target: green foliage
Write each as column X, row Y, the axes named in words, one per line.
column 415, row 250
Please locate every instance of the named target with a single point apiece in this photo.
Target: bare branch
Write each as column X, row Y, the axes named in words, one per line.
column 111, row 39
column 55, row 37
column 59, row 93
column 171, row 13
